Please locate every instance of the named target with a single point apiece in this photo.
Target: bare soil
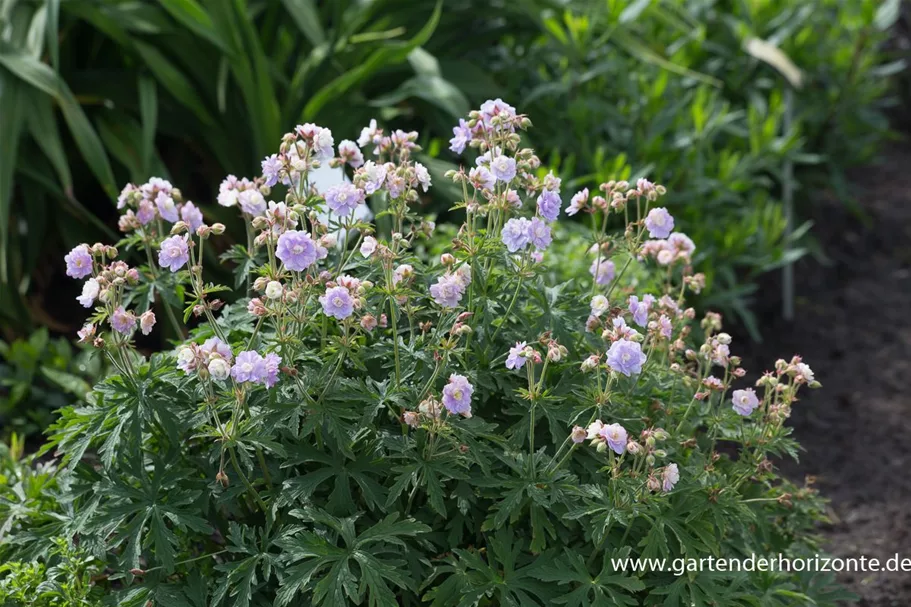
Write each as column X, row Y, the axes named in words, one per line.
column 853, row 327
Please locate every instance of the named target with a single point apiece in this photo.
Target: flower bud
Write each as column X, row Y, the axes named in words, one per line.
column 411, row 419
column 222, row 478
column 447, row 259
column 218, row 228
column 204, row 231
column 653, row 484
column 578, row 435
column 179, row 228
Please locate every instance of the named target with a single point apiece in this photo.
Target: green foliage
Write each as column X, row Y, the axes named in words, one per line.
column 67, row 583
column 39, row 375
column 667, row 89
column 197, row 89
column 386, row 453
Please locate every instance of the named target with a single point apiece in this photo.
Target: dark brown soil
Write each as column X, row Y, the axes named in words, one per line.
column 853, row 327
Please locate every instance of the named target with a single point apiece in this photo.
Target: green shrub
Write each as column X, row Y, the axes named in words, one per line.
column 378, row 425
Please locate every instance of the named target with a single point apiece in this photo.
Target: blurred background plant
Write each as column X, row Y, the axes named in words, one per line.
column 96, row 93
column 38, row 374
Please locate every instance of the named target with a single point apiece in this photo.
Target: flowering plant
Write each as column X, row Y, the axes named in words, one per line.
column 373, row 424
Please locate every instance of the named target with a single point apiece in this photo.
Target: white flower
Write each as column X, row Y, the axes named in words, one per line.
column 368, row 246
column 594, row 430
column 89, row 292
column 599, row 305
column 274, row 289
column 228, row 198
column 804, row 370
column 219, row 368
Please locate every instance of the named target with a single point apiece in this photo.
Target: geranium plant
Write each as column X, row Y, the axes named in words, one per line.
column 491, row 416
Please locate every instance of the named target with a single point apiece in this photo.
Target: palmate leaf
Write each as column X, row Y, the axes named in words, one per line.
column 607, row 588
column 146, row 510
column 361, row 472
column 503, row 575
column 364, row 567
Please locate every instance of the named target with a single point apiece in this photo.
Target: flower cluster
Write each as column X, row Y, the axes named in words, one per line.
column 356, row 379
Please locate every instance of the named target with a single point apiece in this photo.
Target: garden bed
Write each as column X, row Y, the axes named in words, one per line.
column 853, row 324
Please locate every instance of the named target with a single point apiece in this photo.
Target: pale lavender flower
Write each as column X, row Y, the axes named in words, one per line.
column 344, row 198
column 350, row 153
column 368, row 246
column 272, row 166
column 394, row 183
column 125, row 195
column 516, row 358
column 79, row 262
column 145, row 212
column 457, row 395
column 296, row 250
column 324, row 143
column 482, row 178
column 191, row 215
column 187, row 359
column 669, row 477
column 681, row 243
column 90, row 292
column 616, row 437
column 552, row 183
column 369, row 134
column 86, row 333
column 375, row 176
column 448, row 290
column 625, row 357
column 272, row 362
column 123, row 321
column 744, row 401
column 659, row 223
column 228, row 191
column 498, row 108
column 250, row 367
column 549, row 205
column 337, row 303
column 252, row 202
column 539, row 234
column 594, row 429
column 603, row 270
column 402, row 272
column 461, row 135
column 664, row 326
column 146, row 322
column 503, row 168
column 578, row 201
column 166, row 207
column 422, row 175
column 516, row 234
column 174, row 253
column 622, row 330
column 463, row 273
column 640, row 309
column 215, row 346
